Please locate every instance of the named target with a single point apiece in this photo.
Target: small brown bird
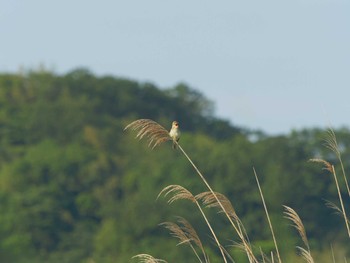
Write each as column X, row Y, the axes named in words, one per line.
column 175, row 133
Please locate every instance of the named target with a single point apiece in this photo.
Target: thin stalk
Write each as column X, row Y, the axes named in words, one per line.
column 195, row 252
column 333, row 257
column 343, row 171
column 267, row 215
column 341, row 201
column 212, row 232
column 250, row 254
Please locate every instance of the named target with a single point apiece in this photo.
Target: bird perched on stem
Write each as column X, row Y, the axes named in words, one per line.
column 175, row 133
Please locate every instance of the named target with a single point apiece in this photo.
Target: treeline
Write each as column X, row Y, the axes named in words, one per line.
column 75, row 187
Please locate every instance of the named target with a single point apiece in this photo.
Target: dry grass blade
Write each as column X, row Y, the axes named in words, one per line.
column 178, row 192
column 333, row 257
column 264, row 257
column 306, row 255
column 155, row 133
column 267, row 216
column 145, row 258
column 227, row 254
column 291, row 215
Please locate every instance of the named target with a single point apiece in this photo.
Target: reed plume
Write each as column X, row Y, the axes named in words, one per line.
column 186, row 234
column 155, row 133
column 293, row 216
column 145, row 258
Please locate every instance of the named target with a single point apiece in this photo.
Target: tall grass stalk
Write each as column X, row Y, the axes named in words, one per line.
column 267, row 216
column 246, row 244
column 332, row 250
column 341, row 201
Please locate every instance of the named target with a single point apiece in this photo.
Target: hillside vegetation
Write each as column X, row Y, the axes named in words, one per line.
column 75, row 187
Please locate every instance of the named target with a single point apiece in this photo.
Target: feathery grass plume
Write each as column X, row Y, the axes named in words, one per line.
column 180, row 192
column 293, row 216
column 306, row 254
column 186, row 234
column 224, row 205
column 145, row 258
column 330, row 141
column 330, row 168
column 210, row 200
column 327, row 165
column 267, row 216
column 332, row 144
column 190, row 232
column 336, row 208
column 177, row 232
column 150, row 129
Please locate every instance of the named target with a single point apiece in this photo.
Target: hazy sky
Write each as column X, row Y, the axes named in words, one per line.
column 273, row 65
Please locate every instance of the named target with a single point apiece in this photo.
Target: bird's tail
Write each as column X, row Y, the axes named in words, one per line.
column 174, row 145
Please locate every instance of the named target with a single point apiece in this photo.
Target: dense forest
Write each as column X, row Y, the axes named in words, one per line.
column 76, row 187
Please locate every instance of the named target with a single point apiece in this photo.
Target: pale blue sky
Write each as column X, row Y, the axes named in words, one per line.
column 273, row 65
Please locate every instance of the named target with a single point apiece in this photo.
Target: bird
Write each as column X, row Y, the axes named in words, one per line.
column 175, row 133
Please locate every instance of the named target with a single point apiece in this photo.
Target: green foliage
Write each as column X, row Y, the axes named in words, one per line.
column 74, row 186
